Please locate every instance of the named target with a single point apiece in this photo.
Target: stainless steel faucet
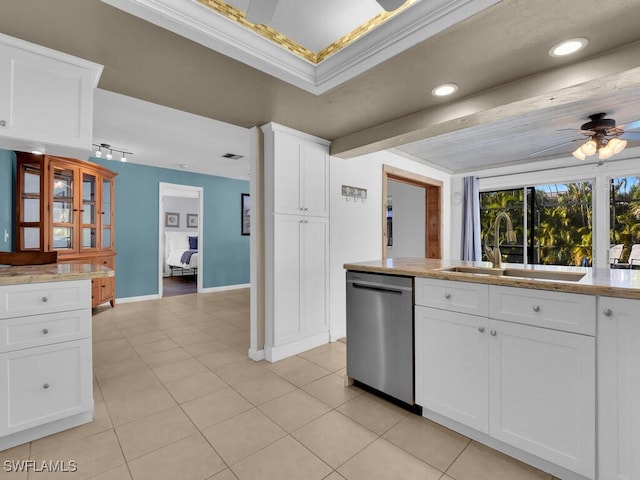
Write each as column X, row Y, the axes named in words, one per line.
column 493, row 254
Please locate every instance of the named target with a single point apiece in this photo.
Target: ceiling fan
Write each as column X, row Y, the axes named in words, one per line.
column 600, row 135
column 261, row 11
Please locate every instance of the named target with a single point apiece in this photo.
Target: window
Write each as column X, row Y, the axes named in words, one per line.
column 553, row 223
column 624, row 207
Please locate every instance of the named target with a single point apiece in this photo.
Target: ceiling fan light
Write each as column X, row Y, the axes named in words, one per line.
column 589, row 148
column 567, row 47
column 605, row 152
column 617, row 145
column 578, row 154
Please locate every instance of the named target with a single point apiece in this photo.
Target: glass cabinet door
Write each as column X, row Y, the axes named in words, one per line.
column 88, row 216
column 29, row 208
column 107, row 227
column 63, row 210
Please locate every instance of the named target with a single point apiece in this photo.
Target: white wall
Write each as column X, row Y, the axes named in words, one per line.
column 356, row 227
column 551, row 171
column 409, row 205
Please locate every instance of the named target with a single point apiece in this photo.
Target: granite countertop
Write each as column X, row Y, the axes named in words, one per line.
column 622, row 283
column 53, row 272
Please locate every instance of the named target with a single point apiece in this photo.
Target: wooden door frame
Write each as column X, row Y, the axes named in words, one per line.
column 433, row 208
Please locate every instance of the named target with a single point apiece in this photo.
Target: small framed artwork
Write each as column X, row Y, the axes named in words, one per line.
column 245, row 220
column 171, row 219
column 192, row 220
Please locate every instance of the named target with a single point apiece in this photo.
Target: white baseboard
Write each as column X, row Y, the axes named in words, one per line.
column 335, row 336
column 273, row 354
column 224, row 288
column 142, row 298
column 256, row 355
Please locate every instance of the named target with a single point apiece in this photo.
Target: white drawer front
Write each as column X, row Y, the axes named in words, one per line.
column 24, row 332
column 570, row 312
column 44, row 384
column 462, row 297
column 35, row 298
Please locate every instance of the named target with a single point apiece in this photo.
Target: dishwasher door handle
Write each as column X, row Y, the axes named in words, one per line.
column 380, row 288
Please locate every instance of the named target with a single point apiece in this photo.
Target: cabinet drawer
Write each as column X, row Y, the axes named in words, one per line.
column 570, row 312
column 44, row 384
column 36, row 298
column 25, row 332
column 454, row 296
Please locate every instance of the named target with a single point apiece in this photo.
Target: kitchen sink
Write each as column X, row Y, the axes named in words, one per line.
column 518, row 273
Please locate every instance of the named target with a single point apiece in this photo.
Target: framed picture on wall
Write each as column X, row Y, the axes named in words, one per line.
column 192, row 220
column 171, row 219
column 245, row 220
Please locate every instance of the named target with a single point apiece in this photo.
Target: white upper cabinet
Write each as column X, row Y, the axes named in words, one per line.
column 46, row 98
column 301, row 180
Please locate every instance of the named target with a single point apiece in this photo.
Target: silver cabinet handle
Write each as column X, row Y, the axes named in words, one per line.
column 607, row 312
column 447, row 295
column 45, row 331
column 493, row 333
column 481, row 329
column 3, row 123
column 45, row 386
column 536, row 308
column 45, row 299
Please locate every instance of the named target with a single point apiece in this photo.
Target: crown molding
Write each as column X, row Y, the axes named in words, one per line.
column 201, row 24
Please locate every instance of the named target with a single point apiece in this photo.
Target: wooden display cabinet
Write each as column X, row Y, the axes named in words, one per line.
column 67, row 205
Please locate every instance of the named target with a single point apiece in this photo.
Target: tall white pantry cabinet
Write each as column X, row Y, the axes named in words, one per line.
column 296, row 172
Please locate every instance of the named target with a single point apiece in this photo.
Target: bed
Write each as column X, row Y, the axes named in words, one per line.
column 181, row 253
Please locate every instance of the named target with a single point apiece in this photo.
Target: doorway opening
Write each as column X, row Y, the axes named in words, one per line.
column 413, row 220
column 180, row 222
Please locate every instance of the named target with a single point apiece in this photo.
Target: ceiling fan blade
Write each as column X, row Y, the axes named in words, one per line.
column 631, row 125
column 261, row 11
column 391, row 5
column 630, row 136
column 554, row 147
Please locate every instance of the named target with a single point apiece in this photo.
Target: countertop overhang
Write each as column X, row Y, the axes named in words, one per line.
column 623, row 283
column 53, row 272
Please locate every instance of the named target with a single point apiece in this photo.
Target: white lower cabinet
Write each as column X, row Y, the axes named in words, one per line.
column 541, row 393
column 299, row 291
column 44, row 384
column 452, row 371
column 618, row 389
column 521, row 385
column 46, row 378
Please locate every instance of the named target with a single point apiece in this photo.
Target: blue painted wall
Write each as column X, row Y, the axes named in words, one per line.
column 7, row 196
column 136, row 209
column 136, row 212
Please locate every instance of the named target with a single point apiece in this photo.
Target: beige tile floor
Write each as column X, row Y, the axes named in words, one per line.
column 177, row 398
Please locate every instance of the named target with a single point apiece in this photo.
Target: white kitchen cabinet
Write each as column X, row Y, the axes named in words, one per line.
column 542, row 393
column 514, row 383
column 452, row 372
column 46, row 97
column 46, row 379
column 300, row 172
column 296, row 242
column 618, row 389
column 300, row 287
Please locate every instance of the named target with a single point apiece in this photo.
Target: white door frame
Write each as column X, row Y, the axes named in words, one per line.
column 176, row 190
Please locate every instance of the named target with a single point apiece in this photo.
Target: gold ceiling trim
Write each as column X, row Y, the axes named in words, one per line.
column 285, row 42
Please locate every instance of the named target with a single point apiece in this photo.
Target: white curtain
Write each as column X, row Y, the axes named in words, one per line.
column 471, row 243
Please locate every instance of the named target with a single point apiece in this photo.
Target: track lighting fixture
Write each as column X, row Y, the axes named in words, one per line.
column 99, row 147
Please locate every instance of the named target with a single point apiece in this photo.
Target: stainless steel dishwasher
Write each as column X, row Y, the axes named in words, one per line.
column 380, row 333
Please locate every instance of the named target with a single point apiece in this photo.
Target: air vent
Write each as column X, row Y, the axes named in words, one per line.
column 233, row 156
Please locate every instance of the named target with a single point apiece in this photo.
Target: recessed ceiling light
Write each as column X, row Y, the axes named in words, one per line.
column 567, row 47
column 444, row 89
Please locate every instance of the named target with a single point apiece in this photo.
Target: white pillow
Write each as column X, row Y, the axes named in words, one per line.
column 176, row 241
